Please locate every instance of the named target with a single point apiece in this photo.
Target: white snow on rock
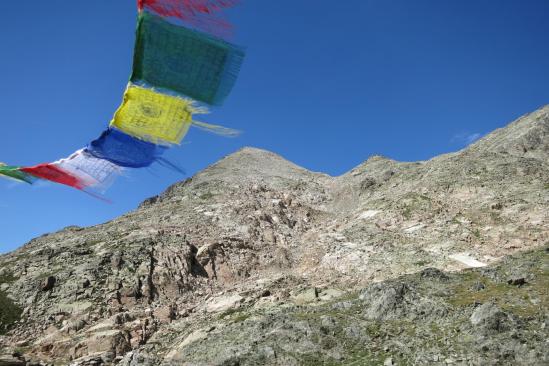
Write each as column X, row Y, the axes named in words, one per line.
column 466, row 259
column 368, row 214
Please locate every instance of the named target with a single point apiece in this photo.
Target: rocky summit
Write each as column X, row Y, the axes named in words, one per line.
column 257, row 261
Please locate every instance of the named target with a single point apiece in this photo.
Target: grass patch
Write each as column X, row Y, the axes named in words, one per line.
column 206, row 196
column 9, row 312
column 93, row 242
column 7, row 277
column 236, row 315
column 241, row 317
column 415, row 202
column 476, row 233
column 511, row 298
column 228, row 313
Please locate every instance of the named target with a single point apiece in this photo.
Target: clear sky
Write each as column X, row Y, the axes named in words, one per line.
column 323, row 85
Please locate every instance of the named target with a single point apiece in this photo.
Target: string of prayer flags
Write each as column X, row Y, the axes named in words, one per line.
column 184, row 61
column 175, row 67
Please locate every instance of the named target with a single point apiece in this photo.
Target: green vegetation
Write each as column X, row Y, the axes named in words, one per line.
column 241, row 317
column 206, row 196
column 7, row 277
column 228, row 313
column 236, row 315
column 524, row 301
column 356, row 357
column 476, row 233
column 93, row 242
column 412, row 202
column 9, row 312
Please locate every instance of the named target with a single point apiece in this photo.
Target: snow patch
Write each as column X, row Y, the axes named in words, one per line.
column 368, row 214
column 466, row 259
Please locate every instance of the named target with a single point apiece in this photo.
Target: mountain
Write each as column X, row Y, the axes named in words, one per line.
column 257, row 261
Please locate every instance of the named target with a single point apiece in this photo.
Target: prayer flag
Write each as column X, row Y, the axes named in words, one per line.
column 185, row 8
column 13, row 172
column 199, row 14
column 184, row 61
column 55, row 174
column 91, row 171
column 124, row 150
column 154, row 117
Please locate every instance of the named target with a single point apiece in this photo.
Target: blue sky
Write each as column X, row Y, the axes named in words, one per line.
column 323, row 85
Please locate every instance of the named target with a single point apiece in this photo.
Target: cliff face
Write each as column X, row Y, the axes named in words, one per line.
column 258, row 261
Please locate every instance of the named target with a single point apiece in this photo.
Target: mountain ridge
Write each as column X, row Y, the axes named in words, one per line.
column 254, row 235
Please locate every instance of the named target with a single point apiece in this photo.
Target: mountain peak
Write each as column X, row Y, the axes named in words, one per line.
column 246, row 167
column 250, row 164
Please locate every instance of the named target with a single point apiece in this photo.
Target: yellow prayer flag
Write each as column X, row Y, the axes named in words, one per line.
column 155, row 117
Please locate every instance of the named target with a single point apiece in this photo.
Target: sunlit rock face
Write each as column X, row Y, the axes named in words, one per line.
column 256, row 260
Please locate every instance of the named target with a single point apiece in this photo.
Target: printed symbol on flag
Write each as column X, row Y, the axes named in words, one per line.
column 150, row 110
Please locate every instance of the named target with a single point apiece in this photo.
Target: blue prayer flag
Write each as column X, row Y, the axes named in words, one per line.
column 124, row 150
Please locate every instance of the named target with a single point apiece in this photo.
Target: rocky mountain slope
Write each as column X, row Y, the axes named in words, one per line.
column 257, row 261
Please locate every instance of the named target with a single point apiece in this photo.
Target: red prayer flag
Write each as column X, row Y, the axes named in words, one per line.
column 184, row 8
column 196, row 13
column 52, row 173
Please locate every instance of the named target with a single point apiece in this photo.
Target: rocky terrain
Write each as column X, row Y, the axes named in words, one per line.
column 256, row 261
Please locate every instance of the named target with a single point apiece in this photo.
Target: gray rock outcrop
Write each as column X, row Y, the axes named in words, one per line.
column 256, row 260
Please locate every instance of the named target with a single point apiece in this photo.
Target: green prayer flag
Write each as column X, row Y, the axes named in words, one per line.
column 184, row 61
column 14, row 173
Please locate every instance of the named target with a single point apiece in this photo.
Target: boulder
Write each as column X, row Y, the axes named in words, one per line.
column 491, row 318
column 48, row 283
